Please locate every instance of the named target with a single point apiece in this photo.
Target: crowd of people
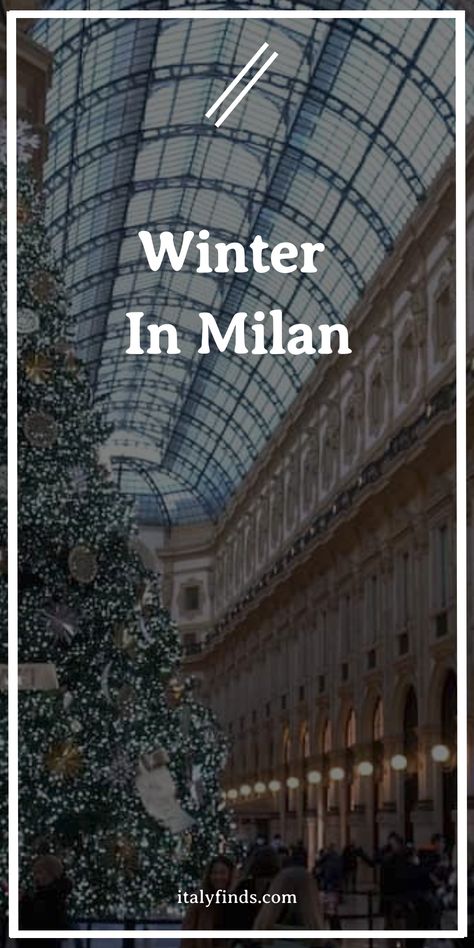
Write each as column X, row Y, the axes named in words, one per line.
column 415, row 887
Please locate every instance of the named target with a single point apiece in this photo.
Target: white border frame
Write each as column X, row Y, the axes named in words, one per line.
column 461, row 461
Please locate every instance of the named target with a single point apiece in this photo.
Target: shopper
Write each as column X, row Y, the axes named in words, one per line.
column 45, row 906
column 262, row 867
column 304, row 912
column 205, row 915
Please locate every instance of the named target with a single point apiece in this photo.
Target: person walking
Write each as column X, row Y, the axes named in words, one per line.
column 331, row 878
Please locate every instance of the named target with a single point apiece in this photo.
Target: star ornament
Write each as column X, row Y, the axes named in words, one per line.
column 38, row 367
column 64, row 759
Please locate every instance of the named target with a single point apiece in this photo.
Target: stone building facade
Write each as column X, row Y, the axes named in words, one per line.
column 324, row 635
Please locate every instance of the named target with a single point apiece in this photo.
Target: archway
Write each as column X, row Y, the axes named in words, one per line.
column 377, row 760
column 350, row 742
column 449, row 773
column 410, row 749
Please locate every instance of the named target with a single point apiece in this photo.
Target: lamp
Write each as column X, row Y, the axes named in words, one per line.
column 274, row 786
column 232, row 794
column 399, row 762
column 292, row 783
column 260, row 787
column 365, row 768
column 245, row 790
column 440, row 753
column 337, row 773
column 314, row 776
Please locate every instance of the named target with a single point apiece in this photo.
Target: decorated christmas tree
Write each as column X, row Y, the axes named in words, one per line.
column 119, row 764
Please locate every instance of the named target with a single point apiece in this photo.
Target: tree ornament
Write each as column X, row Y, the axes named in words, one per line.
column 72, row 364
column 23, row 212
column 64, row 759
column 157, row 791
column 174, row 692
column 61, row 622
column 122, row 853
column 27, row 321
column 43, row 286
column 121, row 771
column 126, row 698
column 145, row 598
column 40, row 429
column 38, row 367
column 3, row 480
column 125, row 641
column 82, row 563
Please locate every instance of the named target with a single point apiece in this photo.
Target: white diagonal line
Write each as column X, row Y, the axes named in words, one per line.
column 246, row 89
column 237, row 79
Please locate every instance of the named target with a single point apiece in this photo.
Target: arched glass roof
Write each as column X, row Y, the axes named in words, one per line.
column 358, row 118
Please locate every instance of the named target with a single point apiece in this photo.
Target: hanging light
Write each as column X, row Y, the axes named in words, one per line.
column 274, row 786
column 314, row 776
column 440, row 753
column 260, row 787
column 245, row 790
column 337, row 773
column 292, row 783
column 399, row 762
column 365, row 768
column 232, row 794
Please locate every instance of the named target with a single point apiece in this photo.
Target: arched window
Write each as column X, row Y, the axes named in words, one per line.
column 305, row 741
column 327, row 738
column 351, row 732
column 377, row 726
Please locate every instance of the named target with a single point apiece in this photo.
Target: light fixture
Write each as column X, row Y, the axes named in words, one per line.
column 399, row 762
column 440, row 753
column 260, row 787
column 292, row 783
column 245, row 790
column 365, row 768
column 274, row 786
column 314, row 776
column 232, row 794
column 337, row 773
column 224, row 795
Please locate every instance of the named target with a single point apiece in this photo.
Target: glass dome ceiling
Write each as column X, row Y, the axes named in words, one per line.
column 350, row 141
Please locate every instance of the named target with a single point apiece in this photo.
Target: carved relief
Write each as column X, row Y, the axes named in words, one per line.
column 277, row 508
column 263, row 526
column 377, row 398
column 331, row 445
column 419, row 313
column 444, row 317
column 350, row 433
column 292, row 498
column 250, row 545
column 407, row 365
column 311, row 469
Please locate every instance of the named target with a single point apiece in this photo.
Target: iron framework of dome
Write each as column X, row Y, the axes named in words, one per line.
column 359, row 118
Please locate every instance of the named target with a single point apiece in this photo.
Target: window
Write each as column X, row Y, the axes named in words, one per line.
column 444, row 320
column 442, row 566
column 346, row 625
column 407, row 367
column 405, row 576
column 372, row 591
column 192, row 601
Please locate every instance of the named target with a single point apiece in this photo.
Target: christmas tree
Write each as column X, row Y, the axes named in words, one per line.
column 119, row 764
